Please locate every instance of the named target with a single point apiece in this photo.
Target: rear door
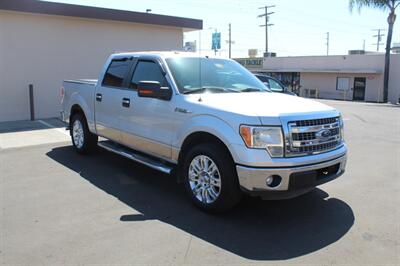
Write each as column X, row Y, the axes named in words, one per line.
column 109, row 98
column 146, row 123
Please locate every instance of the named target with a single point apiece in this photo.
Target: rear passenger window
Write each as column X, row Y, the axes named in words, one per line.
column 147, row 71
column 116, row 72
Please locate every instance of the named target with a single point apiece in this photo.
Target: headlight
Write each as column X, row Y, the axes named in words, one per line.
column 269, row 138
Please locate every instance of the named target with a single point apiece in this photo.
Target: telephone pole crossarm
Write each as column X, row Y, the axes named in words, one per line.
column 266, row 15
column 379, row 38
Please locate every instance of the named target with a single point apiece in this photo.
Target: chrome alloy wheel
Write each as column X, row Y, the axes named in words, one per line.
column 77, row 134
column 204, row 179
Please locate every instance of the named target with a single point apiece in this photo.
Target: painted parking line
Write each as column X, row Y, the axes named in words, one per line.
column 34, row 133
column 56, row 128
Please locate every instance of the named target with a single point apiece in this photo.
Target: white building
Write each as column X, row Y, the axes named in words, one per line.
column 43, row 43
column 349, row 77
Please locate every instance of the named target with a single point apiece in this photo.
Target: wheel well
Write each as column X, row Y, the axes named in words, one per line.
column 195, row 139
column 75, row 109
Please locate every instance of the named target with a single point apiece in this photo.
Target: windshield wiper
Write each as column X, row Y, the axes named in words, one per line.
column 252, row 90
column 211, row 89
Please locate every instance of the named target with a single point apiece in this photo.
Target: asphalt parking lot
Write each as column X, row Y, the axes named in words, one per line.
column 58, row 207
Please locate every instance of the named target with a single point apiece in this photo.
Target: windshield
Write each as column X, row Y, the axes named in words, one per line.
column 214, row 75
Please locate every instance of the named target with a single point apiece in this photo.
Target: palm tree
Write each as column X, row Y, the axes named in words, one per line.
column 386, row 5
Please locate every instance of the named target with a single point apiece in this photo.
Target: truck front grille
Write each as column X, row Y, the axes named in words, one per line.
column 316, row 122
column 313, row 136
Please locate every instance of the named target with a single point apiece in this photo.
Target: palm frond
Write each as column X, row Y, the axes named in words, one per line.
column 379, row 4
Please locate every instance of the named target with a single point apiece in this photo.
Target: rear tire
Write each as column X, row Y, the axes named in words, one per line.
column 210, row 178
column 82, row 139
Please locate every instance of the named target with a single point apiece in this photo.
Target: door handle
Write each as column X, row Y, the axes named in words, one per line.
column 99, row 97
column 126, row 102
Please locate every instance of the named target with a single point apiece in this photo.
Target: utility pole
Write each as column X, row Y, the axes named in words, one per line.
column 266, row 15
column 230, row 40
column 327, row 43
column 379, row 38
column 364, row 45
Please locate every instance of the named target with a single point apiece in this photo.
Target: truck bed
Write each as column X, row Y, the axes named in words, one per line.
column 81, row 92
column 82, row 81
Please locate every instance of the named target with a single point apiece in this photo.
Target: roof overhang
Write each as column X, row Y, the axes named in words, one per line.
column 333, row 71
column 60, row 9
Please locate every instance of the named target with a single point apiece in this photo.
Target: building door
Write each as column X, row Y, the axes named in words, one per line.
column 359, row 89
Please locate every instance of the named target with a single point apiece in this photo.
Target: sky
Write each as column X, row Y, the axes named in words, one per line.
column 299, row 28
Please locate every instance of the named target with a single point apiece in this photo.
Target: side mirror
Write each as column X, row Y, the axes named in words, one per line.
column 153, row 89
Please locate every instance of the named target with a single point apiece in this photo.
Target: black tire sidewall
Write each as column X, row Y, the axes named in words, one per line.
column 230, row 192
column 86, row 134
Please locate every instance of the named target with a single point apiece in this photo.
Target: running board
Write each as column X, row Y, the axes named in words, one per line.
column 135, row 156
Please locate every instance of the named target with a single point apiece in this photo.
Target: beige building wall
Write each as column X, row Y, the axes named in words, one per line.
column 43, row 50
column 326, row 84
column 370, row 62
column 321, row 72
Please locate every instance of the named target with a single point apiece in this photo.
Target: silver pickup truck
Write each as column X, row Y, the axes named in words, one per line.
column 209, row 122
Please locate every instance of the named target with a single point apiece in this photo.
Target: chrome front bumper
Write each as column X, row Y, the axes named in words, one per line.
column 295, row 181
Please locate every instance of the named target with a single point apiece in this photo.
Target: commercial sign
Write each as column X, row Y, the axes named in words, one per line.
column 250, row 62
column 216, row 41
column 190, row 46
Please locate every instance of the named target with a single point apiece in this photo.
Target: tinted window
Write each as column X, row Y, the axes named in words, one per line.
column 147, row 71
column 275, row 86
column 262, row 78
column 115, row 73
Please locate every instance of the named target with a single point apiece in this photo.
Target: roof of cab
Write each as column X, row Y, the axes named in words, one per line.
column 161, row 54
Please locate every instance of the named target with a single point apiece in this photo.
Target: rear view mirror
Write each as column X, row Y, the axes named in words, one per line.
column 153, row 89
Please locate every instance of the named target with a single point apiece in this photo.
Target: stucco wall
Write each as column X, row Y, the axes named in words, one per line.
column 394, row 79
column 326, row 85
column 44, row 50
column 348, row 63
column 370, row 66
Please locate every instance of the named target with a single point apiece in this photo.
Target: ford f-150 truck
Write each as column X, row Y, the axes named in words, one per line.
column 209, row 122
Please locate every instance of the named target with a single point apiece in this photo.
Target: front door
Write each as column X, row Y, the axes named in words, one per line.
column 146, row 124
column 359, row 89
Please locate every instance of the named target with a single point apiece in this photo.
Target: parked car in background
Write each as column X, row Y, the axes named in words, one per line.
column 274, row 84
column 210, row 122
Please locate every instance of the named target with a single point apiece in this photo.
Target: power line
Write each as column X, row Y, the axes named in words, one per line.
column 266, row 15
column 379, row 38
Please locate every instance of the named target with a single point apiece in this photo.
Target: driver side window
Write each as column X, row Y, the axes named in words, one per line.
column 275, row 86
column 147, row 71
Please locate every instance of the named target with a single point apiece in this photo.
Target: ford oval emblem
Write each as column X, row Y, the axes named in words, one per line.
column 324, row 134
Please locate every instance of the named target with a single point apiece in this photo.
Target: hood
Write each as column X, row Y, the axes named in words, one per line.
column 262, row 104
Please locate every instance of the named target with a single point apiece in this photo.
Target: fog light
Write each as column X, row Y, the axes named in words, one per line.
column 273, row 181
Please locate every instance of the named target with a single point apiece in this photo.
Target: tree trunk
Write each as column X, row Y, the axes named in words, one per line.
column 391, row 20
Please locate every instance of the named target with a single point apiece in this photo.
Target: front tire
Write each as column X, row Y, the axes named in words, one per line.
column 210, row 178
column 82, row 139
